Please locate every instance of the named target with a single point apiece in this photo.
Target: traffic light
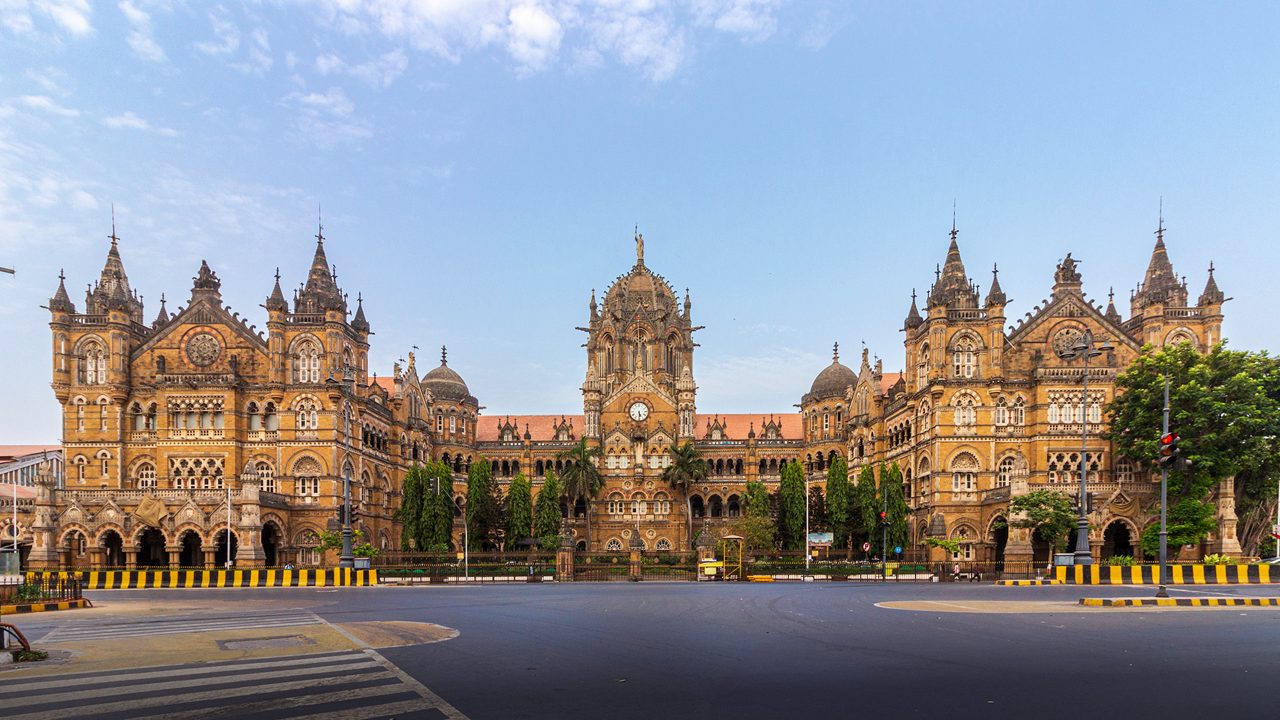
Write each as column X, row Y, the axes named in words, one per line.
column 884, row 518
column 1169, row 452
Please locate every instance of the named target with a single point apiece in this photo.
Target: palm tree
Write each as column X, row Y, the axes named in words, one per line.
column 581, row 477
column 687, row 468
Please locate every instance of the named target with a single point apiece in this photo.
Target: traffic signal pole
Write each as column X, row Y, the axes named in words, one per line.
column 1164, row 502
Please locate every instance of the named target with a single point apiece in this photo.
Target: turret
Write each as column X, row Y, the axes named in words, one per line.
column 913, row 320
column 996, row 299
column 1211, row 295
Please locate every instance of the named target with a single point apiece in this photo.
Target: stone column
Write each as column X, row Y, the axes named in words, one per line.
column 706, row 547
column 97, row 557
column 249, row 553
column 131, row 557
column 210, row 554
column 635, row 569
column 1018, row 548
column 564, row 554
column 1225, row 541
column 44, row 553
column 174, row 553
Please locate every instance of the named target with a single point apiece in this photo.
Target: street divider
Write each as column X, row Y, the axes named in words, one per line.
column 267, row 577
column 1178, row 574
column 1182, row 602
column 21, row 608
column 1024, row 583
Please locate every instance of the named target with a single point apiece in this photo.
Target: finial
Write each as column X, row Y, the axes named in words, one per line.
column 113, row 237
column 953, row 218
column 913, row 296
column 1111, row 291
column 277, row 273
column 319, row 225
column 1210, row 268
column 835, row 353
column 444, row 355
column 937, row 272
column 1160, row 225
column 333, row 270
column 995, row 268
column 360, row 298
column 62, row 274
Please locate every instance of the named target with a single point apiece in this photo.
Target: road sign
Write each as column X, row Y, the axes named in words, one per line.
column 897, row 549
column 866, row 547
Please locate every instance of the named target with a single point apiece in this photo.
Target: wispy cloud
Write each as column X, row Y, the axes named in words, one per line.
column 327, row 118
column 47, row 104
column 140, row 37
column 129, row 120
column 379, row 72
column 225, row 33
column 72, row 16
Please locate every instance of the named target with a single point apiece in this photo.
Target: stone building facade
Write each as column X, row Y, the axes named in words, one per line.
column 164, row 422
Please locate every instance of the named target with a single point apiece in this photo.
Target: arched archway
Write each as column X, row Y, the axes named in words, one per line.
column 74, row 546
column 151, row 551
column 271, row 543
column 1118, row 539
column 113, row 549
column 697, row 507
column 998, row 536
column 192, row 553
column 220, row 556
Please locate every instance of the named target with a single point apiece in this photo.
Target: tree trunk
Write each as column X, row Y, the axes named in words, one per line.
column 688, row 517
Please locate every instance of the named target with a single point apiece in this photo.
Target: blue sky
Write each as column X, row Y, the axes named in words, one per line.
column 481, row 165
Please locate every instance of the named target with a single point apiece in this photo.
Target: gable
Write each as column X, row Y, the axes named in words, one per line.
column 1069, row 306
column 235, row 331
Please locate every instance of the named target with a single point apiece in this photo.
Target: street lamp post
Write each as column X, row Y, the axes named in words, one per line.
column 806, row 522
column 345, row 558
column 1164, row 501
column 1084, row 348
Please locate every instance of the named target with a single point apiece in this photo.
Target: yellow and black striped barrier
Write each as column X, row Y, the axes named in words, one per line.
column 1178, row 574
column 1182, row 602
column 1025, row 583
column 44, row 606
column 266, row 577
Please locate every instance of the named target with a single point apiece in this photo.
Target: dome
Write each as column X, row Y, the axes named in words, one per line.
column 445, row 384
column 832, row 381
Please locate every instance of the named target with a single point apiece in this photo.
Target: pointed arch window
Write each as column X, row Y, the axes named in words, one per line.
column 964, row 358
column 306, row 362
column 1005, row 471
column 266, row 476
column 966, row 414
column 145, row 476
column 922, row 367
column 1002, row 412
column 93, row 363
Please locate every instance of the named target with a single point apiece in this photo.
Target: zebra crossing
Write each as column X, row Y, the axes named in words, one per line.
column 75, row 632
column 347, row 685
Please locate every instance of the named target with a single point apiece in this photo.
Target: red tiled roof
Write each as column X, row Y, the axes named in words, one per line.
column 9, row 452
column 25, row 492
column 541, row 427
column 738, row 424
column 887, row 380
column 386, row 383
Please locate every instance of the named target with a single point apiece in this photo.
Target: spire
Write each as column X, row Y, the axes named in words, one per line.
column 162, row 317
column 1211, row 295
column 1160, row 284
column 276, row 302
column 687, row 303
column 913, row 315
column 61, row 302
column 1112, row 314
column 995, row 295
column 321, row 289
column 359, row 323
column 113, row 290
column 952, row 282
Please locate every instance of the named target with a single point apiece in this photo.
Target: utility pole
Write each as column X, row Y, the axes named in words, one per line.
column 884, row 534
column 1164, row 501
column 806, row 522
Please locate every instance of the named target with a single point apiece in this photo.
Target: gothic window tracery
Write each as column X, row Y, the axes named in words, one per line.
column 964, row 472
column 93, row 363
column 306, row 361
column 964, row 362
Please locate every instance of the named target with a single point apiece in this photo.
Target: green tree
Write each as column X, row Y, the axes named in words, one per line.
column 581, row 476
column 686, row 470
column 413, row 500
column 1047, row 513
column 864, row 507
column 546, row 512
column 894, row 502
column 757, row 531
column 817, row 509
column 484, row 505
column 791, row 506
column 756, row 497
column 519, row 510
column 838, row 503
column 438, row 511
column 1225, row 406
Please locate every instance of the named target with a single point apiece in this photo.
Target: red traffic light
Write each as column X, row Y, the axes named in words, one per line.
column 882, row 515
column 1168, row 442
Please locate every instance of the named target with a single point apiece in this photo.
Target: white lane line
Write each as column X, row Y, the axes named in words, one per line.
column 129, row 676
column 301, row 701
column 445, row 708
column 158, row 703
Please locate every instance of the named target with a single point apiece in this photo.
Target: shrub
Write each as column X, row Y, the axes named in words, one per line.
column 1121, row 560
column 1216, row 559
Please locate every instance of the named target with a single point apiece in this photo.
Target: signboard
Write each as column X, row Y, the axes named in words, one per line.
column 897, row 549
column 818, row 538
column 866, row 547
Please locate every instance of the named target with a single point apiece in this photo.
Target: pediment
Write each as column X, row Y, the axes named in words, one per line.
column 639, row 384
column 203, row 312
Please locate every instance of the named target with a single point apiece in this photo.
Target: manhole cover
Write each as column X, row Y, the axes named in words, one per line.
column 282, row 641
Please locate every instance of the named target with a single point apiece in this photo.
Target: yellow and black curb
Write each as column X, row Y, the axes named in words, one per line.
column 21, row 608
column 145, row 579
column 1178, row 574
column 1025, row 583
column 1182, row 602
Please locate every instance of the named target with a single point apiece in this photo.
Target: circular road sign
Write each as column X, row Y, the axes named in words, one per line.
column 866, row 546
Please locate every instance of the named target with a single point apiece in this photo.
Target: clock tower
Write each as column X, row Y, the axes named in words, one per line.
column 639, row 402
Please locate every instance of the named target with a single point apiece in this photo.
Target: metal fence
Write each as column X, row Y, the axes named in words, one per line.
column 486, row 566
column 41, row 588
column 894, row 571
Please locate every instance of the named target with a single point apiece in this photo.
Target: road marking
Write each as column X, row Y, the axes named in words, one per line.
column 437, row 701
column 180, row 625
column 347, row 685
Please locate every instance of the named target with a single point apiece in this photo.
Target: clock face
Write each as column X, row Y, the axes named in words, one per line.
column 639, row 411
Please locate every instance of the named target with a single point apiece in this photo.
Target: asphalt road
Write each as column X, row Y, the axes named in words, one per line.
column 712, row 650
